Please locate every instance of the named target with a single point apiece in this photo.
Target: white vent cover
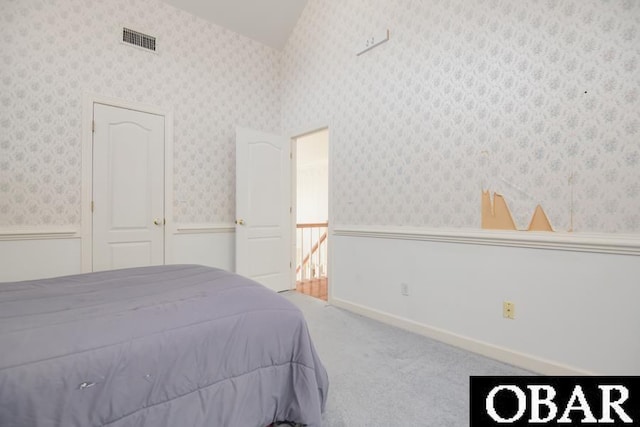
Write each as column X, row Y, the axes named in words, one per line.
column 141, row 40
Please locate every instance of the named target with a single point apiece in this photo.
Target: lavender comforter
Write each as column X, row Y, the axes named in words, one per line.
column 166, row 346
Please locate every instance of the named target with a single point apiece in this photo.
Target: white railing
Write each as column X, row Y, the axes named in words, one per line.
column 311, row 251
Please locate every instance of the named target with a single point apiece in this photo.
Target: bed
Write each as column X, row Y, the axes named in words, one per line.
column 164, row 346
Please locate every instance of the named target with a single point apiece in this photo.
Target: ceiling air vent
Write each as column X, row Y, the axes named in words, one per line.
column 138, row 39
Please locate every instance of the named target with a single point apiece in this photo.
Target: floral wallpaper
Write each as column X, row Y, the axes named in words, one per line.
column 538, row 100
column 53, row 51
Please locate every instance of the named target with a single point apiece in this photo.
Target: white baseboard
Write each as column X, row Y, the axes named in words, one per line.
column 521, row 360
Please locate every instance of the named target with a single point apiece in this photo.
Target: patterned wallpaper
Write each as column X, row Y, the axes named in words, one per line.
column 53, row 51
column 515, row 96
column 538, row 100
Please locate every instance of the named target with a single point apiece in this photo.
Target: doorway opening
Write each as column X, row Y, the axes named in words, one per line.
column 312, row 213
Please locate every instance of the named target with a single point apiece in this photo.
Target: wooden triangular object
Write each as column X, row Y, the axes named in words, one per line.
column 496, row 215
column 539, row 221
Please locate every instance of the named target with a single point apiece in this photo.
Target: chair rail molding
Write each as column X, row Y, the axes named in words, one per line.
column 607, row 243
column 205, row 228
column 39, row 233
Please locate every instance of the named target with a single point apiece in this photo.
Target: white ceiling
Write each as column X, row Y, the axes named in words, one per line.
column 267, row 21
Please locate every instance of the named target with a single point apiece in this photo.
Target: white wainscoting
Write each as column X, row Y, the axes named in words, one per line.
column 41, row 253
column 27, row 254
column 206, row 244
column 576, row 297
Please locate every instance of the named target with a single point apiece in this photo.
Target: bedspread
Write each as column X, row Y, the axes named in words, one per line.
column 170, row 346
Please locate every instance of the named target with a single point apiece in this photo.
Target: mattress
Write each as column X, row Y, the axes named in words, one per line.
column 170, row 346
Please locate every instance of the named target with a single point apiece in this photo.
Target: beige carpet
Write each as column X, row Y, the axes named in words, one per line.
column 381, row 376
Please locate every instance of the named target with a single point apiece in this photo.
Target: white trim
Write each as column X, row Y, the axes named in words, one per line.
column 296, row 134
column 293, row 187
column 204, row 228
column 168, row 187
column 330, row 229
column 303, row 131
column 87, row 170
column 522, row 360
column 621, row 244
column 87, row 183
column 38, row 233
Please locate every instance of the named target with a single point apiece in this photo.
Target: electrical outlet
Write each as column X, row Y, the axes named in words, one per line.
column 508, row 310
column 404, row 289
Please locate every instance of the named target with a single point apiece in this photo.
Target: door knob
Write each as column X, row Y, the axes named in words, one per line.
column 240, row 221
column 157, row 221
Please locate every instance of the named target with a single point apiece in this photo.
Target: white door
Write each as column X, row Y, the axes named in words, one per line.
column 128, row 188
column 263, row 208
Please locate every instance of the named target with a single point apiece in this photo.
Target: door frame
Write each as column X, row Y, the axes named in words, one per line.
column 86, row 234
column 295, row 135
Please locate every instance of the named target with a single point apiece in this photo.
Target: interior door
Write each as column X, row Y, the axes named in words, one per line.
column 128, row 188
column 263, row 208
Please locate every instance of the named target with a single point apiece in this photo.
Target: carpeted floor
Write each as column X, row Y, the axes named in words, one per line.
column 383, row 376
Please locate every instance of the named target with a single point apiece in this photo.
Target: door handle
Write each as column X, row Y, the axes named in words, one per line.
column 157, row 221
column 240, row 221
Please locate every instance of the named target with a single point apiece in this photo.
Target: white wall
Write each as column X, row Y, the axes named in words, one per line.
column 213, row 246
column 37, row 257
column 576, row 312
column 312, row 177
column 537, row 100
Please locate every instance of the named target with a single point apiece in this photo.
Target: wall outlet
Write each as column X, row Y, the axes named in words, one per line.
column 508, row 310
column 404, row 289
